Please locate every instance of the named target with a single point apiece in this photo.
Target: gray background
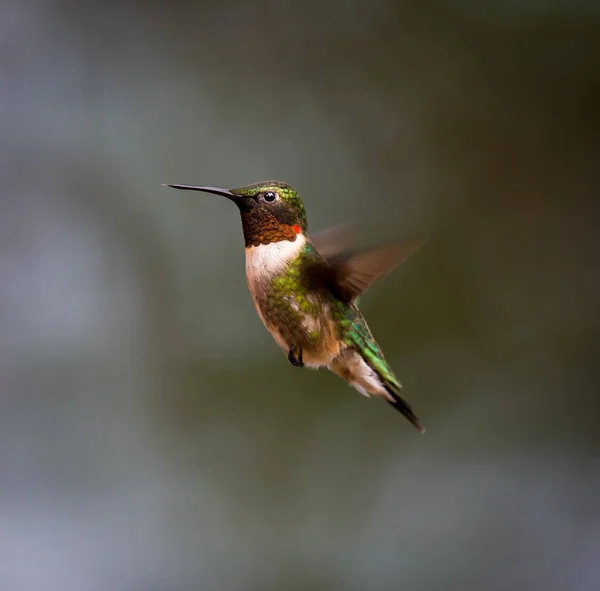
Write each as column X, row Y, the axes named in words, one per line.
column 153, row 436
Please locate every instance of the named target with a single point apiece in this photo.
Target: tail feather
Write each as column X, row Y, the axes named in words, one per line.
column 359, row 338
column 402, row 406
column 392, row 386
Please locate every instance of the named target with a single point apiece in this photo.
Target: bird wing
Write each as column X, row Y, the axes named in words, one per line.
column 348, row 274
column 333, row 241
column 356, row 271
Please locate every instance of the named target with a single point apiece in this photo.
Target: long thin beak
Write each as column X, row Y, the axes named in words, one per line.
column 214, row 190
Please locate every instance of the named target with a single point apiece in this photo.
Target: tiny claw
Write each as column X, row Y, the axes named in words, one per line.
column 295, row 356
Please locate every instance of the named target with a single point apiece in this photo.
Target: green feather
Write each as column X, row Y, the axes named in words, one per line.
column 358, row 336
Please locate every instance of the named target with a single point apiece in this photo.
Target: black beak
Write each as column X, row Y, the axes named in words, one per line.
column 214, row 190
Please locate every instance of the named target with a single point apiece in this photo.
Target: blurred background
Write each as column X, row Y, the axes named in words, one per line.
column 152, row 434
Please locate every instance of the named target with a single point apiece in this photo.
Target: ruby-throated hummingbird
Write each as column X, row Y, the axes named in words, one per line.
column 305, row 290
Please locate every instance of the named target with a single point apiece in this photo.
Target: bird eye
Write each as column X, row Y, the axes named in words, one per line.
column 270, row 196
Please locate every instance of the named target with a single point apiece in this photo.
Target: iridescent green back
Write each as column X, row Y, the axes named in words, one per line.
column 356, row 334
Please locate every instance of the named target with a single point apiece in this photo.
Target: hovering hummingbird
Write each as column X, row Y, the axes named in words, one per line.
column 306, row 290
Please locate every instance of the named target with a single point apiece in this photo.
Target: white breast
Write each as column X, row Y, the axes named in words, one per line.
column 266, row 261
column 263, row 263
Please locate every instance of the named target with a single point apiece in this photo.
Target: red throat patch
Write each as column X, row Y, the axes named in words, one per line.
column 267, row 230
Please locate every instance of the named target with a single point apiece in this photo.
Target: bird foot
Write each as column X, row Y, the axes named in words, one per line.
column 295, row 356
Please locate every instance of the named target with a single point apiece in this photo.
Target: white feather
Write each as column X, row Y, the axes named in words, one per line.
column 353, row 368
column 265, row 261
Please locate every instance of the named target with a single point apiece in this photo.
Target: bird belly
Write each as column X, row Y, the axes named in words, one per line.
column 314, row 333
column 294, row 315
column 350, row 366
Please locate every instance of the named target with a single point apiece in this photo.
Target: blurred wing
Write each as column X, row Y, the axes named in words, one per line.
column 333, row 241
column 355, row 272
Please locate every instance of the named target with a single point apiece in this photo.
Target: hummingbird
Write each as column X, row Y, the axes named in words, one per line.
column 306, row 290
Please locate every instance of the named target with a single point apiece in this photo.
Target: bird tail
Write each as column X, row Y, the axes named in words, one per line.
column 400, row 404
column 360, row 339
column 372, row 355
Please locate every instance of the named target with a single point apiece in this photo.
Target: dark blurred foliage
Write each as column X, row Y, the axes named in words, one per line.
column 154, row 437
